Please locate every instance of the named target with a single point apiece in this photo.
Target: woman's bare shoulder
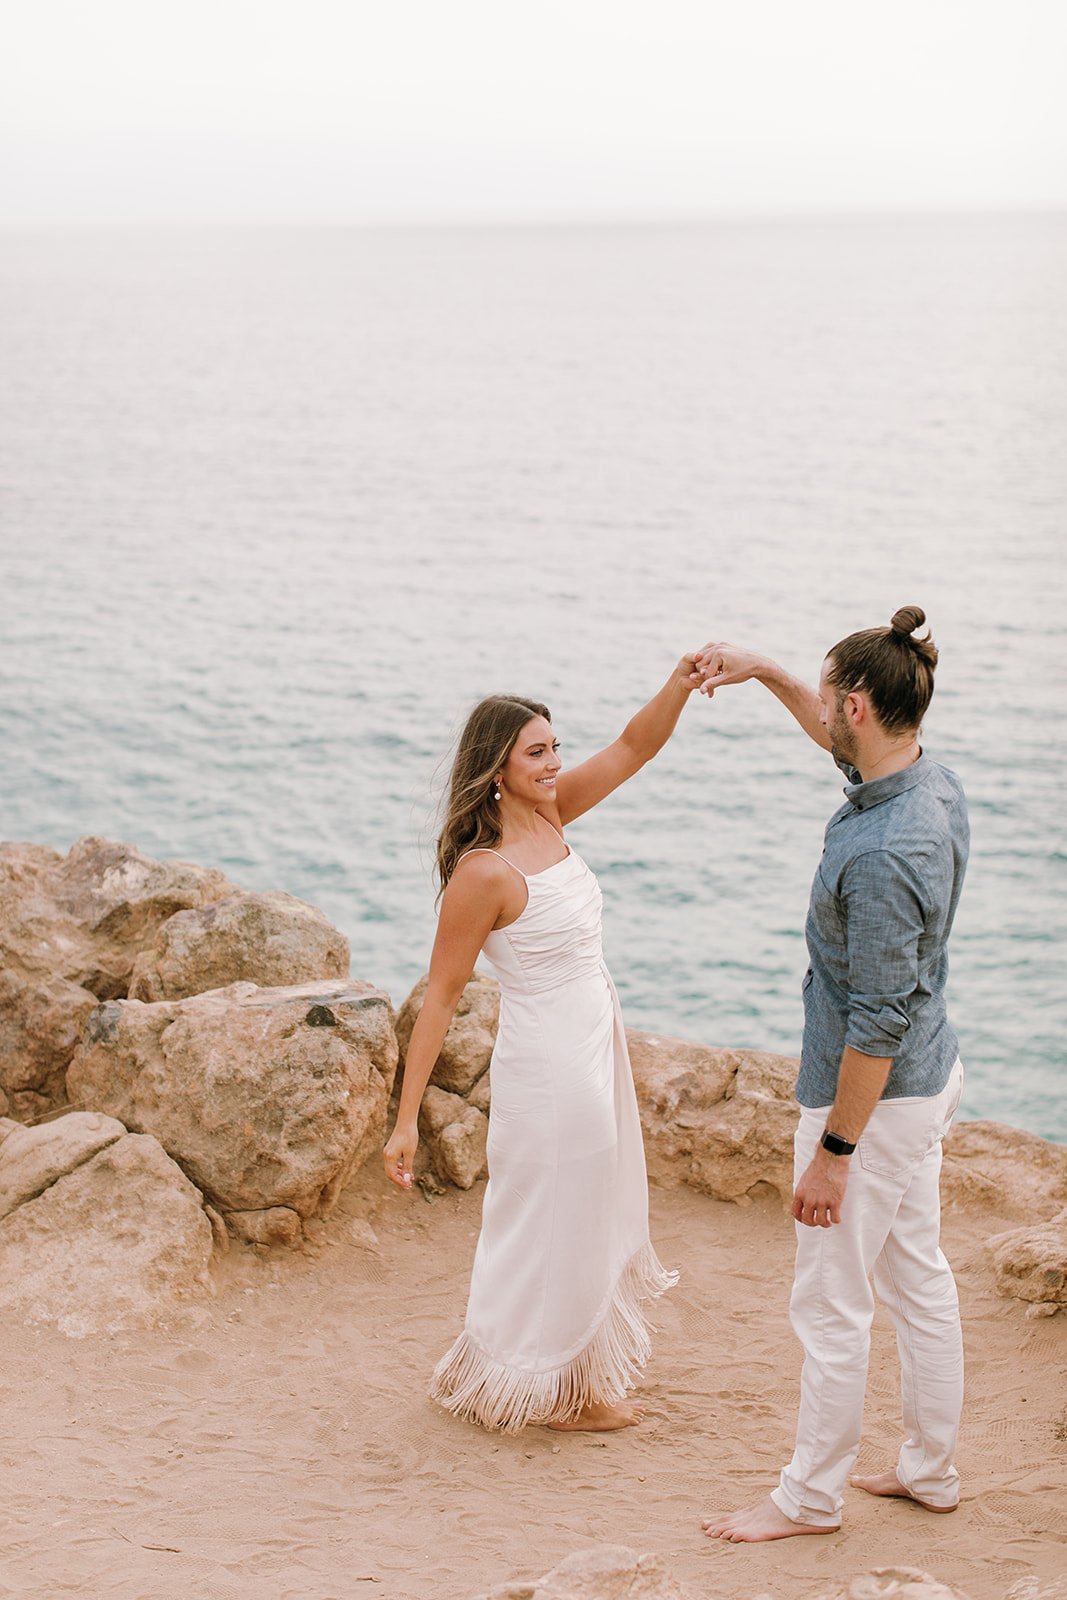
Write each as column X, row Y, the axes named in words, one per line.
column 479, row 868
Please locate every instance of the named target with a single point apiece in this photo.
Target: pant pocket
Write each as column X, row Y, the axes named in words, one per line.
column 898, row 1137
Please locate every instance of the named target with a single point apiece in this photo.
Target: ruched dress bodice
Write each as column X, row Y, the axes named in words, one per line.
column 556, row 938
column 554, row 1321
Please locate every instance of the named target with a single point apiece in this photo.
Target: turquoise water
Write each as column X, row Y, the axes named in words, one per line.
column 277, row 506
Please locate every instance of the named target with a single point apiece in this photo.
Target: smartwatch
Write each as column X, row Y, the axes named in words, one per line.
column 835, row 1144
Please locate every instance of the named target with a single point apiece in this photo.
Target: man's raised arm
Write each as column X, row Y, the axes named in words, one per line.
column 724, row 664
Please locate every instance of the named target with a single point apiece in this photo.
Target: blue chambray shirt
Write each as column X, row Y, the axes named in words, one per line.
column 878, row 923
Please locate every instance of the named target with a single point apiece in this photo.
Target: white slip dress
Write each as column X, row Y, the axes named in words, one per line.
column 554, row 1320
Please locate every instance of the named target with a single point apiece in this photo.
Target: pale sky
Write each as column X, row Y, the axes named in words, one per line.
column 468, row 110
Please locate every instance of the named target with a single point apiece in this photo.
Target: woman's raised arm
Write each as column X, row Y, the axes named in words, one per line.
column 581, row 788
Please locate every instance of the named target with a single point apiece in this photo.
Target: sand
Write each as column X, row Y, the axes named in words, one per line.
column 276, row 1442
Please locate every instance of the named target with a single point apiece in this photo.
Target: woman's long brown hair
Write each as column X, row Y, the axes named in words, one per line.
column 472, row 816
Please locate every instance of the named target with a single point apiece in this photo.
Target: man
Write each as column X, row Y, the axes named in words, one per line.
column 879, row 1081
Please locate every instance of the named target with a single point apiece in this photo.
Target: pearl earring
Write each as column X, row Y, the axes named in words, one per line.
column 496, row 791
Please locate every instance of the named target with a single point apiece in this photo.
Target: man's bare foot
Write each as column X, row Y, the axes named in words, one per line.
column 603, row 1418
column 757, row 1524
column 887, row 1483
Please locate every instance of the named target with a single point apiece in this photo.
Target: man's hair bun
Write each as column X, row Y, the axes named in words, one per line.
column 894, row 667
column 907, row 619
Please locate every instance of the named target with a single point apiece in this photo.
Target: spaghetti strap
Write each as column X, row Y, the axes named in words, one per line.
column 487, row 850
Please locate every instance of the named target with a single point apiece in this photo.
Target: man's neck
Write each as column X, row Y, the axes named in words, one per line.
column 883, row 760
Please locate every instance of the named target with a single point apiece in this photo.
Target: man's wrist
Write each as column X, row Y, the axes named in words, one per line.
column 769, row 673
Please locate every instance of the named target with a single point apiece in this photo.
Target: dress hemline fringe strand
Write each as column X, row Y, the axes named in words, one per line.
column 475, row 1388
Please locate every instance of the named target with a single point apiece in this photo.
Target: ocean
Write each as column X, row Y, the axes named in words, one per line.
column 278, row 506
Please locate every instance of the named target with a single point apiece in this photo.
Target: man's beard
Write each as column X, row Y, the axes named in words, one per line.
column 842, row 743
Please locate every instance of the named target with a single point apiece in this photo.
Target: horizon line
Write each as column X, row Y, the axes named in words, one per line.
column 681, row 218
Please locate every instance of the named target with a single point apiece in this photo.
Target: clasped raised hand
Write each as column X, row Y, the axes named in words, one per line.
column 722, row 664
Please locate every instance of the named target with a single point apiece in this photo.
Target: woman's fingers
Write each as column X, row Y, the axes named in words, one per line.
column 398, row 1162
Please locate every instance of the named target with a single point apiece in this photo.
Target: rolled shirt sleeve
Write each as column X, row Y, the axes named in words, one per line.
column 884, row 919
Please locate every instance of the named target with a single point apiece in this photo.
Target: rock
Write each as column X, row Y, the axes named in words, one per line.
column 719, row 1120
column 1031, row 1263
column 272, row 940
column 1037, row 1589
column 267, row 1098
column 470, row 1038
column 70, row 929
column 273, row 1225
column 109, row 1246
column 480, row 1096
column 33, row 1159
column 605, row 1572
column 455, row 1134
column 612, row 1572
column 1005, row 1170
column 41, row 1019
column 893, row 1583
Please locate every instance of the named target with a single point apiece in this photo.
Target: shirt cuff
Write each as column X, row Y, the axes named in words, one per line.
column 876, row 1032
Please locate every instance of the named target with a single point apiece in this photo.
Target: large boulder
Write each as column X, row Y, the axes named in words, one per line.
column 1004, row 1170
column 70, row 930
column 268, row 1098
column 1030, row 1263
column 272, row 940
column 100, row 1232
column 470, row 1038
column 721, row 1121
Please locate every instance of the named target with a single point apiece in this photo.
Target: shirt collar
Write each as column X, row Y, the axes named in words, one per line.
column 865, row 795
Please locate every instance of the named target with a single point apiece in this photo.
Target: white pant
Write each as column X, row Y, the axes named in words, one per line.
column 890, row 1227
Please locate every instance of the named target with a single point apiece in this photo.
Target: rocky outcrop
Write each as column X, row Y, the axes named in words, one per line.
column 470, row 1038
column 267, row 1098
column 721, row 1121
column 70, row 930
column 1030, row 1263
column 99, row 1230
column 1005, row 1170
column 272, row 940
column 613, row 1572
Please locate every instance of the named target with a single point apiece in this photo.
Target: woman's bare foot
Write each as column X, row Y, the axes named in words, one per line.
column 603, row 1418
column 887, row 1483
column 757, row 1524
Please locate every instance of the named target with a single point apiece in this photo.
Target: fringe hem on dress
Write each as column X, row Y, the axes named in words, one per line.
column 475, row 1388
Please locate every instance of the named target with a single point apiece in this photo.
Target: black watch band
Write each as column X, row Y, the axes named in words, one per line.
column 836, row 1145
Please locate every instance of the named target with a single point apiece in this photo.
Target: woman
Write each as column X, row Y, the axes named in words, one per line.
column 554, row 1331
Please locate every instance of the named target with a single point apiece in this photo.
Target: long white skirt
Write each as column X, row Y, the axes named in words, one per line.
column 555, row 1320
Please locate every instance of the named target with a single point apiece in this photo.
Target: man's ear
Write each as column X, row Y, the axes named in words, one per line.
column 858, row 709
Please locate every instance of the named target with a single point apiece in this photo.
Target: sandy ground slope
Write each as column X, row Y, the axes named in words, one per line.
column 276, row 1444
